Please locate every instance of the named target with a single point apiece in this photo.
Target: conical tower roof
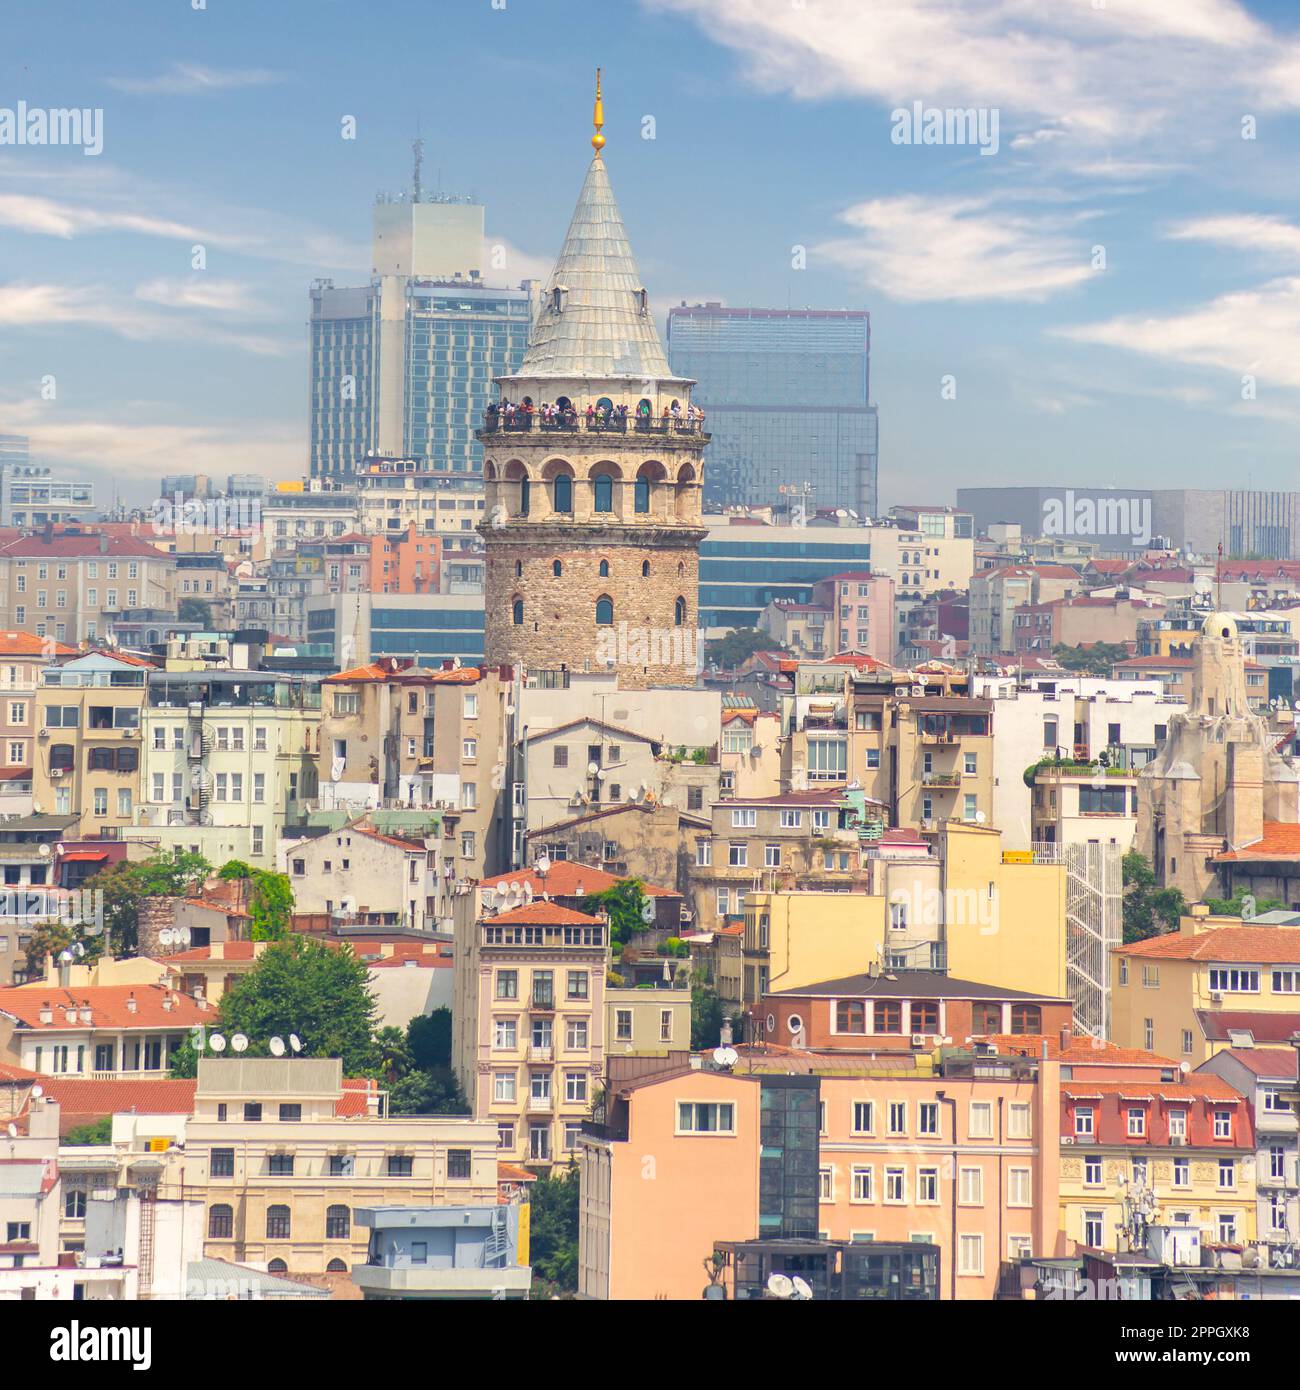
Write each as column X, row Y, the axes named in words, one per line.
column 599, row 324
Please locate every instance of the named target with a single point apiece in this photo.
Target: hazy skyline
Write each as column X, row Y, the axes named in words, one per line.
column 1118, row 127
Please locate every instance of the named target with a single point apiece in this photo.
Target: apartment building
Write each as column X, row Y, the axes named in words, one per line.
column 861, row 612
column 69, row 585
column 228, row 748
column 529, row 1022
column 950, row 1154
column 1175, row 677
column 23, row 656
column 284, row 1151
column 1142, row 1143
column 1075, row 805
column 105, row 1031
column 89, row 712
column 996, row 594
column 1081, row 621
column 1266, row 1076
column 1167, row 991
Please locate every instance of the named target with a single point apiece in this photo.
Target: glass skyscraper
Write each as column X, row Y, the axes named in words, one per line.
column 787, row 395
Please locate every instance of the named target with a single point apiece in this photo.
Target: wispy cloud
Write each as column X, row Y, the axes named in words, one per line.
column 185, row 78
column 1261, row 233
column 48, row 217
column 915, row 248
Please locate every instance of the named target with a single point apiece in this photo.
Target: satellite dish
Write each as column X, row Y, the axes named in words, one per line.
column 592, row 769
column 802, row 1289
column 980, row 818
column 217, row 1043
column 726, row 1057
column 295, row 1042
column 277, row 1047
column 239, row 1043
column 165, row 937
column 779, row 1285
column 543, row 865
column 43, row 850
column 38, row 1092
column 183, row 935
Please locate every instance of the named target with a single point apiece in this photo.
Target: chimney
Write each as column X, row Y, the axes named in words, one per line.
column 131, row 1005
column 85, row 1011
column 103, row 543
column 167, row 1003
column 725, row 1035
column 46, row 1014
column 1067, row 1037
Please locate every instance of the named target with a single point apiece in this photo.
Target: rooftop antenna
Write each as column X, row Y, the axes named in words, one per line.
column 417, row 149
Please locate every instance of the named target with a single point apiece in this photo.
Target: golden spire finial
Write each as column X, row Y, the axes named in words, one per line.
column 598, row 119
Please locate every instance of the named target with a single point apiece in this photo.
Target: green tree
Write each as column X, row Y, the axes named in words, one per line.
column 319, row 992
column 630, row 910
column 1094, row 660
column 435, row 1092
column 706, row 1014
column 173, row 873
column 394, row 1054
column 98, row 1132
column 553, row 1232
column 737, row 646
column 195, row 610
column 1243, row 904
column 1148, row 910
column 185, row 1061
column 428, row 1036
column 268, row 898
column 52, row 937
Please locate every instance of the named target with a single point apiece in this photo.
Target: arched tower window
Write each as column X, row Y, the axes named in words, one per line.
column 524, row 488
column 645, row 569
column 641, row 494
column 679, row 612
column 517, row 612
column 604, row 574
column 604, row 611
column 519, row 569
column 557, row 569
column 563, row 493
column 603, row 488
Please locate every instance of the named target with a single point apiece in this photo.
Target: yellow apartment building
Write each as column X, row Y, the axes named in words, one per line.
column 1184, row 994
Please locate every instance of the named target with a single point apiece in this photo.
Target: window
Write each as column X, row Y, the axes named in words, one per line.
column 1020, row 1191
column 575, row 1087
column 1083, row 1115
column 1182, row 1172
column 279, row 1165
column 1018, row 1121
column 1227, row 1228
column 604, row 569
column 505, row 1135
column 826, row 1184
column 1227, row 1174
column 575, row 1035
column 507, row 984
column 1225, row 981
column 623, row 1025
column 771, row 856
column 342, row 1165
column 517, row 612
column 1223, row 1124
column 252, row 1110
column 577, row 984
column 1093, row 1223
column 705, row 1117
column 602, row 486
column 896, row 1185
column 703, row 853
column 864, row 1117
column 862, row 1185
column 291, row 1111
column 743, row 818
column 738, row 855
column 277, row 1223
column 221, row 1222
column 560, row 756
column 981, row 1119
column 1137, row 1122
column 74, row 1204
column 850, row 1016
column 927, row 1186
column 604, row 611
column 539, row 1142
column 1178, row 1124
column 222, row 1163
column 505, row 1034
column 338, row 1223
column 1187, row 1042
column 927, row 1117
column 504, row 1087
column 1026, row 1018
column 400, row 1165
column 897, row 1117
column 971, row 1187
column 1123, row 970
column 790, row 820
column 1286, row 982
column 459, row 1165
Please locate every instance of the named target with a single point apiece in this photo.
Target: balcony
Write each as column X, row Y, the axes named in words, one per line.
column 941, row 779
column 540, row 1105
column 525, row 423
column 425, row 1281
column 541, row 1052
column 543, row 1003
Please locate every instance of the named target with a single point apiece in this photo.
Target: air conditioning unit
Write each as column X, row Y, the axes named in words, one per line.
column 132, row 733
column 918, row 1039
column 1216, row 999
column 1177, row 1141
column 1067, row 1139
column 57, row 771
column 900, row 690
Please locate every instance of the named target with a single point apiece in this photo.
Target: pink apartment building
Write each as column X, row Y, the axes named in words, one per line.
column 961, row 1153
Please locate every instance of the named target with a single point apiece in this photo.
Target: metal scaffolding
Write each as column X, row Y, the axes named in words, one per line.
column 1093, row 926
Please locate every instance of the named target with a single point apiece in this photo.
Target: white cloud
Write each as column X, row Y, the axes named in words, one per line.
column 202, row 292
column 1248, row 332
column 1259, row 232
column 184, row 78
column 46, row 217
column 1115, row 73
column 925, row 249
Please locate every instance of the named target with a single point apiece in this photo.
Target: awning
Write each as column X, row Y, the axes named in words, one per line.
column 84, row 855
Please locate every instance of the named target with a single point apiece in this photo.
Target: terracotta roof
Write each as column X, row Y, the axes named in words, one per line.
column 422, row 960
column 87, row 544
column 829, row 796
column 1082, row 1051
column 231, row 950
column 82, row 1098
column 1249, row 945
column 1280, row 840
column 9, row 1072
column 1216, row 1024
column 508, row 1172
column 108, row 1005
column 28, row 644
column 411, row 846
column 1198, row 1086
column 565, row 879
column 14, row 774
column 1273, row 1062
column 543, row 914
column 353, row 1101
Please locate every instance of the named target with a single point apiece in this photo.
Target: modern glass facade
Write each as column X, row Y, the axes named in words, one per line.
column 743, row 569
column 787, row 395
column 455, row 338
column 789, row 1162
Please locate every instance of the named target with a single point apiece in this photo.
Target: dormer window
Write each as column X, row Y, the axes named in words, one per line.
column 642, row 301
column 558, row 295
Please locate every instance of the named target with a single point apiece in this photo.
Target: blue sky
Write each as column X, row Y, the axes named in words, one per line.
column 1120, row 126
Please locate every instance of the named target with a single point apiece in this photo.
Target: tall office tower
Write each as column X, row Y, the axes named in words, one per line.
column 787, row 393
column 13, row 448
column 592, row 523
column 403, row 366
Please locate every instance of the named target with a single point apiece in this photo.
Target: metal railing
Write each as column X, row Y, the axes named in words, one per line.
column 524, row 423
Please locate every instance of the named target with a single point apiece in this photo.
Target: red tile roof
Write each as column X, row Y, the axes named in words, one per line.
column 354, row 1100
column 1082, row 1051
column 1279, row 841
column 1216, row 1024
column 80, row 1098
column 28, row 644
column 9, row 1072
column 540, row 913
column 1273, row 1062
column 565, row 879
column 86, row 544
column 1198, row 1086
column 1247, row 945
column 108, row 1005
column 231, row 950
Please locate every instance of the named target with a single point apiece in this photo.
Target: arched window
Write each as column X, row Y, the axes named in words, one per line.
column 681, row 567
column 604, row 569
column 338, row 1223
column 277, row 1267
column 641, row 494
column 517, row 612
column 519, row 569
column 336, row 1267
column 524, row 488
column 679, row 612
column 644, row 409
column 221, row 1222
column 557, row 569
column 563, row 493
column 277, row 1223
column 603, row 487
column 604, row 611
column 605, row 404
column 645, row 569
